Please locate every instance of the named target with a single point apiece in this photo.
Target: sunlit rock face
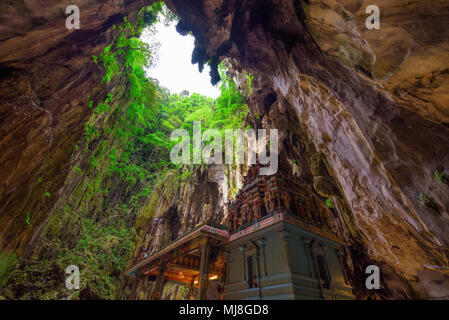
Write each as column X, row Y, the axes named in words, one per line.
column 364, row 113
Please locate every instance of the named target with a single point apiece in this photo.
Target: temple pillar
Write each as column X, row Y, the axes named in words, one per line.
column 159, row 285
column 310, row 257
column 263, row 266
column 316, row 250
column 203, row 277
column 259, row 274
column 242, row 252
column 340, row 256
column 228, row 261
column 136, row 285
column 284, row 241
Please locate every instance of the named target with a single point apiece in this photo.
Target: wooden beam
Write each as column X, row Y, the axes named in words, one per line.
column 159, row 285
column 203, row 277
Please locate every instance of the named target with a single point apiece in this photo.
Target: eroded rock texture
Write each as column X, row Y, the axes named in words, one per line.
column 364, row 113
column 363, row 100
column 174, row 209
column 47, row 79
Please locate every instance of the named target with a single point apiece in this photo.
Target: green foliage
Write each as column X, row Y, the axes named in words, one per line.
column 234, row 190
column 28, row 218
column 138, row 127
column 101, row 252
column 425, row 200
column 153, row 112
column 441, row 177
column 185, row 175
column 231, row 109
column 93, row 163
column 7, row 263
column 151, row 15
column 102, row 108
column 249, row 80
column 110, row 64
column 47, row 194
column 77, row 170
column 90, row 133
column 329, row 203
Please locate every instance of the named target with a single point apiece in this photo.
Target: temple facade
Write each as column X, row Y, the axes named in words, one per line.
column 272, row 248
column 278, row 257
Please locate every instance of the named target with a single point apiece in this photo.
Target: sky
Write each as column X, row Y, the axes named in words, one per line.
column 174, row 68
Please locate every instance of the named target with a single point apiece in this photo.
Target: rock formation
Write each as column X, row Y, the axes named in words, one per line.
column 364, row 114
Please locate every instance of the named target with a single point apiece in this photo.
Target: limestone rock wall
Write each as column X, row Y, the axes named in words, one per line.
column 370, row 107
column 47, row 79
column 370, row 102
column 174, row 208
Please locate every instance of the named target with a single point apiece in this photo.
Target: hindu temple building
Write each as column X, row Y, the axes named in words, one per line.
column 271, row 248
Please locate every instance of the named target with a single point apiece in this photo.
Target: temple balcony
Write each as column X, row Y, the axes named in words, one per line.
column 195, row 259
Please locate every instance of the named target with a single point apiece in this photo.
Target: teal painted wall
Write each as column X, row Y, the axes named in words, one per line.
column 288, row 271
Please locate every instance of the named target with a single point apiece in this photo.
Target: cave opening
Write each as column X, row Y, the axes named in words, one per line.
column 171, row 61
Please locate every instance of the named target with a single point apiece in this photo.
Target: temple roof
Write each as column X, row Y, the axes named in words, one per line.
column 185, row 244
